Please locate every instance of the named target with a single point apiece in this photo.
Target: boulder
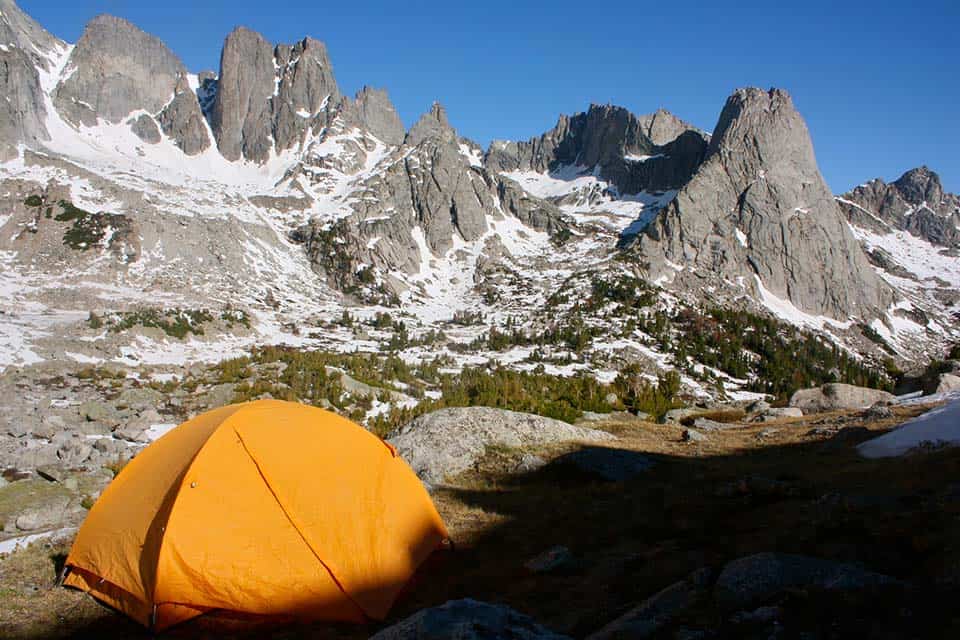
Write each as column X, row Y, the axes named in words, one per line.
column 757, row 406
column 446, row 442
column 74, row 452
column 675, row 416
column 835, row 396
column 529, row 463
column 97, row 411
column 219, row 395
column 751, row 581
column 140, row 398
column 467, row 619
column 690, row 435
column 648, row 617
column 777, row 413
column 948, row 382
column 34, row 504
column 878, row 411
column 135, row 430
column 705, row 424
column 557, row 558
column 49, row 426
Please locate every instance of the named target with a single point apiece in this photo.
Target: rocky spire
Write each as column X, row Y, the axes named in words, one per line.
column 920, row 185
column 268, row 94
column 432, row 124
column 378, row 115
column 758, row 206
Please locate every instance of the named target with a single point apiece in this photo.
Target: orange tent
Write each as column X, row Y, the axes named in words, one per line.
column 266, row 507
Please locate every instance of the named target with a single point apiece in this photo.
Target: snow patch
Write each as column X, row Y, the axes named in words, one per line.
column 936, row 428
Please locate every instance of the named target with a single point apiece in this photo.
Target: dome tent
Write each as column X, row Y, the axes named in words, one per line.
column 266, row 507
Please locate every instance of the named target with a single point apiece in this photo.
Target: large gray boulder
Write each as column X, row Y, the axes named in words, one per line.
column 759, row 211
column 117, row 69
column 836, row 396
column 467, row 619
column 753, row 580
column 446, row 442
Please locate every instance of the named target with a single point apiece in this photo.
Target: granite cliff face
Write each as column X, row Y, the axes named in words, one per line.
column 25, row 45
column 915, row 202
column 116, row 69
column 267, row 97
column 758, row 208
column 118, row 73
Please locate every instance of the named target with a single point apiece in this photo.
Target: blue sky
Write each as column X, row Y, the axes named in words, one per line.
column 878, row 82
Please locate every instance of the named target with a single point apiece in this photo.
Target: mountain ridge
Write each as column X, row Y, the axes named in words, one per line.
column 264, row 185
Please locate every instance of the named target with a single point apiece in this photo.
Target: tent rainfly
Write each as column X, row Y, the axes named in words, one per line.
column 269, row 508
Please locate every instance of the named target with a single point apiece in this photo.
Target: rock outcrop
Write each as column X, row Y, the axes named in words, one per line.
column 915, row 202
column 377, row 115
column 650, row 153
column 116, row 69
column 427, row 195
column 750, row 581
column 835, row 396
column 26, row 46
column 267, row 97
column 446, row 442
column 758, row 209
column 467, row 619
column 183, row 121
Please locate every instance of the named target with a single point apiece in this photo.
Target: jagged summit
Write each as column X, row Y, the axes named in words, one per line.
column 920, row 185
column 915, row 202
column 758, row 211
column 616, row 143
column 432, row 124
column 379, row 116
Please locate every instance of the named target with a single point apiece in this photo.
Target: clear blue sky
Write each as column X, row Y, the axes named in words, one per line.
column 878, row 82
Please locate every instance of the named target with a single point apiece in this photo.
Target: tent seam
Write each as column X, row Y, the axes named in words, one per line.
column 290, row 519
column 163, row 534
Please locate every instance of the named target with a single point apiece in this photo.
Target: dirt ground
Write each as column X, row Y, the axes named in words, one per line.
column 792, row 486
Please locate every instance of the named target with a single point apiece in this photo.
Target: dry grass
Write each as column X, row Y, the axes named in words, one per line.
column 749, row 488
